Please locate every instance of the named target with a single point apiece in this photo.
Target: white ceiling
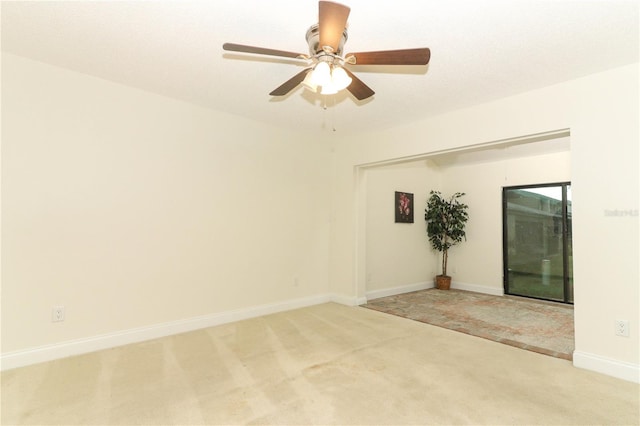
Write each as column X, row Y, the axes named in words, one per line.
column 480, row 51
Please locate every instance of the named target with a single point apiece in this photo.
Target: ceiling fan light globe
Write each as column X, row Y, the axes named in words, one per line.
column 340, row 79
column 307, row 83
column 321, row 74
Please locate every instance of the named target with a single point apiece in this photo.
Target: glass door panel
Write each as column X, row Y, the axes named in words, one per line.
column 537, row 255
column 569, row 250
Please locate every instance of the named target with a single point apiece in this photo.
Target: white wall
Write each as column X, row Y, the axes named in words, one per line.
column 133, row 210
column 398, row 254
column 601, row 111
column 605, row 168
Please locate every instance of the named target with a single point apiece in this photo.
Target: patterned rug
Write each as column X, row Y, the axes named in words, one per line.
column 543, row 327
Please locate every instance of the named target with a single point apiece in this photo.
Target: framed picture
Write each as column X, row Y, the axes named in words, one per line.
column 403, row 207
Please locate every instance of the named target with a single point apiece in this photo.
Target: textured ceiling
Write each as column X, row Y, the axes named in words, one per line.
column 481, row 50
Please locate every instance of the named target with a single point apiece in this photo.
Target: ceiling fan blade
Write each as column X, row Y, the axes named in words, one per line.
column 332, row 20
column 392, row 57
column 357, row 87
column 260, row 50
column 290, row 84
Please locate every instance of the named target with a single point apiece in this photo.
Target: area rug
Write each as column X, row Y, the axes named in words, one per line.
column 538, row 326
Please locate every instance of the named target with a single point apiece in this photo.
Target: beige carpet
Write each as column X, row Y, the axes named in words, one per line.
column 327, row 364
column 529, row 324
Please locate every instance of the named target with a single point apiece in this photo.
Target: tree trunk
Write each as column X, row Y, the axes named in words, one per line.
column 445, row 254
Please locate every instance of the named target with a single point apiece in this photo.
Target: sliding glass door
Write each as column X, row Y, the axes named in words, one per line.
column 537, row 241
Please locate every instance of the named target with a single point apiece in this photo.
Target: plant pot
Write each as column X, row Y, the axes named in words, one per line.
column 443, row 282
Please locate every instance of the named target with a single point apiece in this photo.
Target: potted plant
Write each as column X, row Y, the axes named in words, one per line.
column 446, row 220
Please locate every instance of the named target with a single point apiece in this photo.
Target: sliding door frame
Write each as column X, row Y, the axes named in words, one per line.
column 567, row 291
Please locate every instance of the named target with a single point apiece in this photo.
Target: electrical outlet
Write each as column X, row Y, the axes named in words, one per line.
column 296, row 281
column 57, row 314
column 622, row 328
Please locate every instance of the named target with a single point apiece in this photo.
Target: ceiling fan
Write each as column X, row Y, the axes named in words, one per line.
column 326, row 73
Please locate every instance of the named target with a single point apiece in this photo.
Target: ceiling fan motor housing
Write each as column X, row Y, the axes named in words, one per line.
column 313, row 40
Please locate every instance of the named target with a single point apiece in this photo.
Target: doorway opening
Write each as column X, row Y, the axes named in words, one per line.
column 537, row 247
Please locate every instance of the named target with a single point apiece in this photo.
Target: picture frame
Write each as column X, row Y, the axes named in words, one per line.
column 403, row 207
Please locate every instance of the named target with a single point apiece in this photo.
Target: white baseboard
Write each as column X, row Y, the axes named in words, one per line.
column 95, row 343
column 610, row 367
column 376, row 294
column 408, row 288
column 478, row 288
column 348, row 300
